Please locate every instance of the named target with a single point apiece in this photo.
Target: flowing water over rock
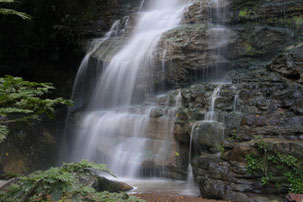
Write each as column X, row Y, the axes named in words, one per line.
column 205, row 133
column 134, row 139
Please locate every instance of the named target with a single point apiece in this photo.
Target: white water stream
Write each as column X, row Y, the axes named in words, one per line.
column 115, row 130
column 118, row 128
column 209, row 117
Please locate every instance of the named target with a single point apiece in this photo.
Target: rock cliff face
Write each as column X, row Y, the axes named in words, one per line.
column 257, row 47
column 229, row 34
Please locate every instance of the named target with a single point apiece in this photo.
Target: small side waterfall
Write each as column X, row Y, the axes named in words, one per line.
column 141, row 5
column 210, row 116
column 191, row 187
column 236, row 98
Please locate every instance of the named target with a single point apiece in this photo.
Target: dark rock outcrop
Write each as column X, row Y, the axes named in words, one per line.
column 209, row 135
column 101, row 184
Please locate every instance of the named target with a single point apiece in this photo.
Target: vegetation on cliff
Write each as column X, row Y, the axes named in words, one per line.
column 276, row 168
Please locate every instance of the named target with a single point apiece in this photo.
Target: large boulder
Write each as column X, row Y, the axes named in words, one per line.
column 101, row 184
column 2, row 183
column 209, row 134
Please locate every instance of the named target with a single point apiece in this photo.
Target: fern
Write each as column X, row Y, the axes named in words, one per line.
column 82, row 167
column 3, row 132
column 60, row 184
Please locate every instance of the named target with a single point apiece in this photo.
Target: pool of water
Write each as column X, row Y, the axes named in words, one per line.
column 166, row 186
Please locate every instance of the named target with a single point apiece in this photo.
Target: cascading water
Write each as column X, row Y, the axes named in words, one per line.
column 141, row 5
column 82, row 83
column 191, row 187
column 210, row 116
column 219, row 35
column 115, row 130
column 236, row 101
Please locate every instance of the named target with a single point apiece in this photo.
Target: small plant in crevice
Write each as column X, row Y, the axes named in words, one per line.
column 69, row 182
column 222, row 150
column 245, row 13
column 235, row 136
column 276, row 167
column 249, row 50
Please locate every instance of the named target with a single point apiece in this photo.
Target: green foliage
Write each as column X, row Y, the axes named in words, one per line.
column 59, row 184
column 21, row 101
column 249, row 50
column 262, row 146
column 81, row 167
column 245, row 13
column 222, row 150
column 266, row 179
column 254, row 163
column 276, row 164
column 235, row 136
column 3, row 132
column 298, row 20
column 7, row 11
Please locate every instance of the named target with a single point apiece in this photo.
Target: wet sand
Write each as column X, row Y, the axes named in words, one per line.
column 161, row 197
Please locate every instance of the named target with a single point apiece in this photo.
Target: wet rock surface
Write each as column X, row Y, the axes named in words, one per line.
column 209, row 134
column 2, row 183
column 101, row 184
column 227, row 35
column 262, row 54
column 258, row 104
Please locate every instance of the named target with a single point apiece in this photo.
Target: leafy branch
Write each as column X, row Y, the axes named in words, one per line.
column 7, row 11
column 22, row 102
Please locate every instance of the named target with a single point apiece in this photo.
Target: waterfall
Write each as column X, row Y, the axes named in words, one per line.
column 236, row 101
column 211, row 114
column 209, row 117
column 191, row 187
column 115, row 130
column 82, row 82
column 141, row 5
